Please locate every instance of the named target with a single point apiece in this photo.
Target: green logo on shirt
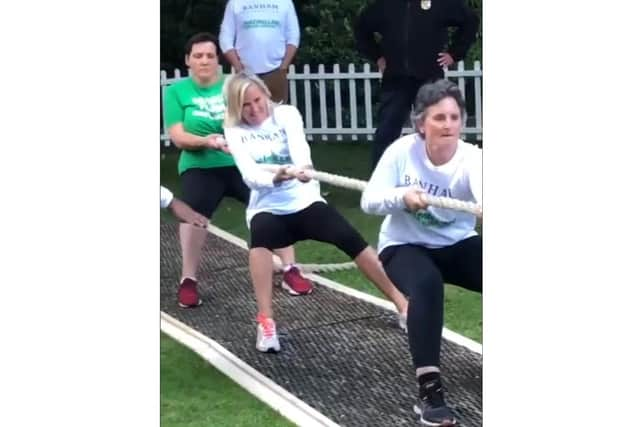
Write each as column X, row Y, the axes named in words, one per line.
column 261, row 23
column 429, row 218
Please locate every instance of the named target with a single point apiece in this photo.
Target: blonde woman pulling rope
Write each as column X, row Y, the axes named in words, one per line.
column 284, row 208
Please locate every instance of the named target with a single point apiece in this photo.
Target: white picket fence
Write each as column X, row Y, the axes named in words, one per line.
column 325, row 115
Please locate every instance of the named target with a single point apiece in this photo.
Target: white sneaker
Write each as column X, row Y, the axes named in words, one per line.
column 267, row 339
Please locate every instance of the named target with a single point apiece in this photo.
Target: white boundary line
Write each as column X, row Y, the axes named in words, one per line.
column 446, row 333
column 250, row 379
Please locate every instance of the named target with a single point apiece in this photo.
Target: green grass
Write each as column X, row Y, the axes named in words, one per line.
column 194, row 394
column 463, row 309
column 186, row 404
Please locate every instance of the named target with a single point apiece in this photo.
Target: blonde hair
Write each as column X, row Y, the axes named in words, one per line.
column 233, row 92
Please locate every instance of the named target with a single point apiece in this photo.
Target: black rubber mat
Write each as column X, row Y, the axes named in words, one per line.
column 345, row 357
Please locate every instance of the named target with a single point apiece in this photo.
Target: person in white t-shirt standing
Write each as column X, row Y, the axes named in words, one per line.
column 420, row 246
column 284, row 207
column 262, row 37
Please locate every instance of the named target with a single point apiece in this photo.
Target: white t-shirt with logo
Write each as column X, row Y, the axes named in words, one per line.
column 259, row 31
column 279, row 140
column 405, row 164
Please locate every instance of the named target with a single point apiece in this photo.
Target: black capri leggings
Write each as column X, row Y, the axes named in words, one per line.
column 319, row 221
column 203, row 189
column 420, row 274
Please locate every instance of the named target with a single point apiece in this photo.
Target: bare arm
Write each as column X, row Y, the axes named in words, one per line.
column 234, row 59
column 291, row 36
column 288, row 56
column 184, row 213
column 228, row 36
column 189, row 141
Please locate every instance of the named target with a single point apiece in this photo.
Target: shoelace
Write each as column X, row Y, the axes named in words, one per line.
column 296, row 280
column 268, row 326
column 433, row 395
column 293, row 272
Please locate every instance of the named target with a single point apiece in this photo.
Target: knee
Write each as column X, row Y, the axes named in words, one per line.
column 353, row 245
column 429, row 286
column 260, row 256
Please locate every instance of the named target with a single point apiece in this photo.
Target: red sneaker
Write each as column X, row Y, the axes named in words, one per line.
column 188, row 294
column 295, row 283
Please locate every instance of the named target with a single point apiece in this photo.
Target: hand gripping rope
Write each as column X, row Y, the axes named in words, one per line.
column 356, row 184
column 359, row 185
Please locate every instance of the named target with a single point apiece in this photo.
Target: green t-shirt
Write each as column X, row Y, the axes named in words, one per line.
column 201, row 112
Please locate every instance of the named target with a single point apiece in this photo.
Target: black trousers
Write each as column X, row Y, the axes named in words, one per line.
column 398, row 94
column 420, row 274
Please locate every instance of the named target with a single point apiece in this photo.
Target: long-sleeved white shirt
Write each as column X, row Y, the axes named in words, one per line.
column 259, row 31
column 166, row 196
column 405, row 164
column 280, row 139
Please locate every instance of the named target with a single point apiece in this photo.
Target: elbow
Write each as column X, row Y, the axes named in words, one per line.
column 225, row 45
column 177, row 142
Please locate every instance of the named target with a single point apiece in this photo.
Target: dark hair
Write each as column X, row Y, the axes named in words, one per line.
column 432, row 93
column 199, row 38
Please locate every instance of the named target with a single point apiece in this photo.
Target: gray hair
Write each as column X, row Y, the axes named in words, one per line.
column 432, row 93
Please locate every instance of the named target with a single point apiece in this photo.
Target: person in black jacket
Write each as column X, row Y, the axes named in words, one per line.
column 412, row 51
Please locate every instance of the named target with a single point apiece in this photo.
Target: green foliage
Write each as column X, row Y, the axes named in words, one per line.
column 475, row 52
column 326, row 28
column 179, row 20
column 327, row 31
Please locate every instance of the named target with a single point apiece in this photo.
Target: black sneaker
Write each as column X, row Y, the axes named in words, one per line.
column 431, row 407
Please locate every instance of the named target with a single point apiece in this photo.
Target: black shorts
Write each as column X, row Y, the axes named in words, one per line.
column 203, row 189
column 318, row 221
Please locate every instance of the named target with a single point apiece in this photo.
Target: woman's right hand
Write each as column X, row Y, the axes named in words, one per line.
column 413, row 199
column 216, row 142
column 282, row 174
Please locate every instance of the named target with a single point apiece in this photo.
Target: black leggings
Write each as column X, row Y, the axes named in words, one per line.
column 204, row 188
column 319, row 221
column 420, row 274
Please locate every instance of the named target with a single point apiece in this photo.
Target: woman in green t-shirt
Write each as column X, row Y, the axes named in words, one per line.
column 193, row 113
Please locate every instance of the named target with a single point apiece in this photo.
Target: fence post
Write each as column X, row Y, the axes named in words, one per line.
column 367, row 101
column 337, row 96
column 477, row 88
column 353, row 107
column 308, row 122
column 359, row 101
column 323, row 100
column 163, row 87
column 293, row 96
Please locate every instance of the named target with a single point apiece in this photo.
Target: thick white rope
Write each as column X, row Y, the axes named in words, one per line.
column 318, row 268
column 356, row 184
column 277, row 264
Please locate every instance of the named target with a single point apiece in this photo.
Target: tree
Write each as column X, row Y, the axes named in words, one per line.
column 326, row 28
